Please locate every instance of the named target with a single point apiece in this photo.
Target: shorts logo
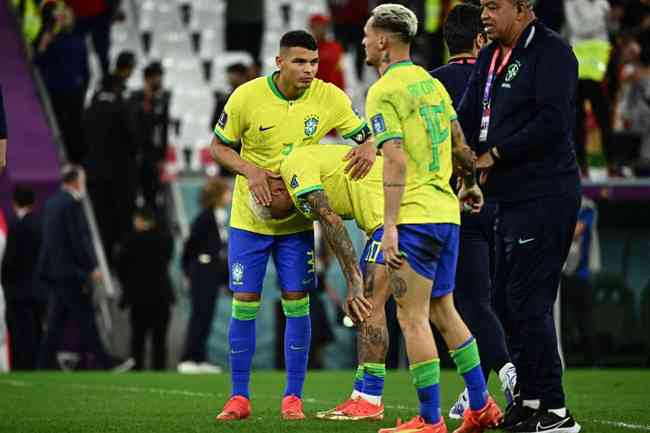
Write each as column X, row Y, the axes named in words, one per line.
column 223, row 120
column 378, row 124
column 237, row 273
column 294, row 182
column 512, row 71
column 311, row 125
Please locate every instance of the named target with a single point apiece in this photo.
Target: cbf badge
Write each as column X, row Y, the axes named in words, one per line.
column 311, row 125
column 512, row 71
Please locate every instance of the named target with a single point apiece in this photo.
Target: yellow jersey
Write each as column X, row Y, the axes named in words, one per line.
column 269, row 126
column 322, row 168
column 407, row 103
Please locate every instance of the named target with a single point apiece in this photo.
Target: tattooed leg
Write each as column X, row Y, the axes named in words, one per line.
column 372, row 339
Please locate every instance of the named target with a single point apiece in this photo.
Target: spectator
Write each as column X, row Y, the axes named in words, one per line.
column 3, row 134
column 147, row 290
column 349, row 17
column 109, row 131
column 577, row 292
column 151, row 109
column 587, row 27
column 60, row 53
column 245, row 27
column 68, row 267
column 124, row 66
column 4, row 334
column 26, row 302
column 330, row 52
column 236, row 74
column 205, row 265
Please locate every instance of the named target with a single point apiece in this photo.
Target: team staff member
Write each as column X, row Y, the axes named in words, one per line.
column 518, row 112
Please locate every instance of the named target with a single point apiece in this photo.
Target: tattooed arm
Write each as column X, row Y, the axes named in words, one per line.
column 357, row 306
column 470, row 193
column 394, row 182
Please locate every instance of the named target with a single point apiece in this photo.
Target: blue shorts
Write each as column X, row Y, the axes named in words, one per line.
column 430, row 249
column 293, row 255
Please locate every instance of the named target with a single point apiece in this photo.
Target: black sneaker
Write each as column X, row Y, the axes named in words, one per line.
column 516, row 414
column 547, row 422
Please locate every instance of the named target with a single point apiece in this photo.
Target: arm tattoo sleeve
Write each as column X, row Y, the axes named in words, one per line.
column 463, row 154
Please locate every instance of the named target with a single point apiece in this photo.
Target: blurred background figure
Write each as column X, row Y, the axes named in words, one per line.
column 151, row 110
column 143, row 269
column 5, row 363
column 349, row 17
column 245, row 27
column 205, row 265
column 330, row 52
column 236, row 74
column 68, row 267
column 576, row 289
column 111, row 163
column 60, row 52
column 124, row 66
column 26, row 301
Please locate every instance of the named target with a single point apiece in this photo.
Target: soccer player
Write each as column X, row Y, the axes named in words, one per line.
column 413, row 121
column 465, row 36
column 270, row 116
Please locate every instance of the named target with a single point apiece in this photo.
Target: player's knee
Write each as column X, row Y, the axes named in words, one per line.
column 245, row 309
column 296, row 306
column 247, row 296
column 411, row 321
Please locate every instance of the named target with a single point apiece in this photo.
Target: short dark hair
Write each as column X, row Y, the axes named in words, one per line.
column 237, row 68
column 461, row 27
column 23, row 196
column 126, row 59
column 70, row 173
column 298, row 38
column 154, row 68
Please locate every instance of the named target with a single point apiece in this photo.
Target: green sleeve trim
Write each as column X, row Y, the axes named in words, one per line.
column 223, row 137
column 375, row 369
column 297, row 308
column 245, row 310
column 356, row 130
column 383, row 138
column 308, row 190
column 454, row 117
column 426, row 373
column 359, row 373
column 466, row 358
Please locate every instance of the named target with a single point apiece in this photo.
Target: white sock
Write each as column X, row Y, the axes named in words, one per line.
column 533, row 404
column 504, row 369
column 561, row 412
column 374, row 399
column 355, row 394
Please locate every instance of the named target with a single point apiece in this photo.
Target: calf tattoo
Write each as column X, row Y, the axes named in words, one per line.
column 372, row 343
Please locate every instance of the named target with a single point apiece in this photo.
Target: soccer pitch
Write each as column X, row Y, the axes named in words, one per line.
column 606, row 401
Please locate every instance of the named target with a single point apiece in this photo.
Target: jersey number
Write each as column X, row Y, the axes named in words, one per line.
column 431, row 115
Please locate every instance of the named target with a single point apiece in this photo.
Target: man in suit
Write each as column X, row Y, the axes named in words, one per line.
column 26, row 302
column 68, row 266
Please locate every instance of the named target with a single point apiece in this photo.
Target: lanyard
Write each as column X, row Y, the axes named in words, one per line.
column 464, row 61
column 491, row 78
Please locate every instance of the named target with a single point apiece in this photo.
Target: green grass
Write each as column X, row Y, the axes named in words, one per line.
column 168, row 402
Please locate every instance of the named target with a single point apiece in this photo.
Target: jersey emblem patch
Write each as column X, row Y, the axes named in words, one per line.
column 378, row 124
column 311, row 125
column 294, row 182
column 223, row 120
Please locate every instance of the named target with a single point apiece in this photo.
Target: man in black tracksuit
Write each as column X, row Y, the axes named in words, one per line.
column 518, row 113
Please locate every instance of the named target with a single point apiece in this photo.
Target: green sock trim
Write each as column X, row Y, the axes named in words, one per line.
column 297, row 308
column 242, row 310
column 466, row 358
column 426, row 373
column 359, row 374
column 376, row 369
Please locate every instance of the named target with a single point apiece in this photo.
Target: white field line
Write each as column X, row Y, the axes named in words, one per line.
column 187, row 393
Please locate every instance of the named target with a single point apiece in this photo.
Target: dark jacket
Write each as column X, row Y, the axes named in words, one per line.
column 152, row 127
column 143, row 268
column 67, row 253
column 20, row 260
column 109, row 134
column 533, row 112
column 64, row 63
column 455, row 76
column 204, row 254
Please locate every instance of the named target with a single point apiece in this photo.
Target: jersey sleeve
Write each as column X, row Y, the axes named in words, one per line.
column 383, row 117
column 231, row 122
column 449, row 104
column 348, row 123
column 299, row 171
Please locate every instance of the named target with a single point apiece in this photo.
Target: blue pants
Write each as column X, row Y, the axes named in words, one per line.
column 532, row 244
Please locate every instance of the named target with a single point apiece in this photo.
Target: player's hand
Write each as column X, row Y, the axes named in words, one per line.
column 390, row 247
column 471, row 198
column 258, row 182
column 484, row 163
column 361, row 160
column 356, row 306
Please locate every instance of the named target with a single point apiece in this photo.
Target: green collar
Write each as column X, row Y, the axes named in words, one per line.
column 398, row 65
column 276, row 91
